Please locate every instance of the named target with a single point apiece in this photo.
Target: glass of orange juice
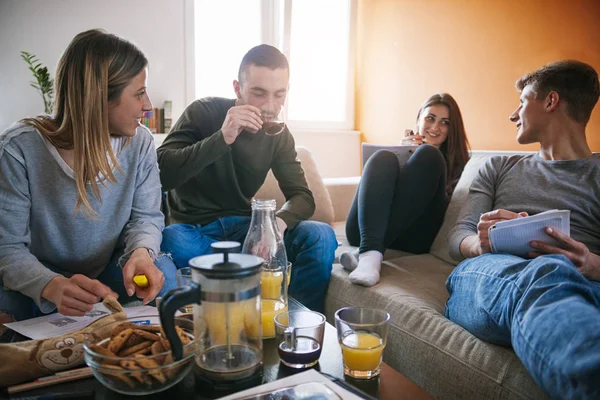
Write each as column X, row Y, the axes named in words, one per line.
column 362, row 334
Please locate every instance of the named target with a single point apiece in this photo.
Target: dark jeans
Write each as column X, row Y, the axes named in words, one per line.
column 310, row 247
column 399, row 207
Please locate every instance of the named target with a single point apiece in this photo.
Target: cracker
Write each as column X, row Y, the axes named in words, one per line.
column 157, row 348
column 185, row 339
column 152, row 365
column 150, row 328
column 104, row 352
column 168, row 359
column 171, row 372
column 141, row 352
column 121, row 327
column 128, row 351
column 112, row 304
column 132, row 366
column 133, row 340
column 117, row 343
column 119, row 375
column 148, row 335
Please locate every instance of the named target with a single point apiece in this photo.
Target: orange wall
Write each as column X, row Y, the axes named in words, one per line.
column 472, row 49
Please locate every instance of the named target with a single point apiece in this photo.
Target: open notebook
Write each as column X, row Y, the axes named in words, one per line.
column 513, row 236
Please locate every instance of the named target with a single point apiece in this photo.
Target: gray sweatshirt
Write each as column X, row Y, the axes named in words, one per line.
column 38, row 195
column 532, row 184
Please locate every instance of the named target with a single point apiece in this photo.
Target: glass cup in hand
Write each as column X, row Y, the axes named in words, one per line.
column 411, row 138
column 273, row 119
column 299, row 336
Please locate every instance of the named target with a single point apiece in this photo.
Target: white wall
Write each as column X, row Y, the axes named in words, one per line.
column 45, row 28
column 337, row 153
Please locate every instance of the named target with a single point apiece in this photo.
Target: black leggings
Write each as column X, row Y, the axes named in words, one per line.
column 398, row 207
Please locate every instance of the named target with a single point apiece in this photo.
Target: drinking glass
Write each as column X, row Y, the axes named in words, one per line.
column 184, row 278
column 411, row 138
column 299, row 336
column 362, row 334
column 273, row 119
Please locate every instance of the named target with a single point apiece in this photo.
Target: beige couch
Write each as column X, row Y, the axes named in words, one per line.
column 438, row 355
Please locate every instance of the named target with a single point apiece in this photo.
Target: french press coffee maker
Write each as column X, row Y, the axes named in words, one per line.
column 225, row 293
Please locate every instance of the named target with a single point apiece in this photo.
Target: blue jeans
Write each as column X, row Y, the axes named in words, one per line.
column 310, row 247
column 22, row 307
column 544, row 308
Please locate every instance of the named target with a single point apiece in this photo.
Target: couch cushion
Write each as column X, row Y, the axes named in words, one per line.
column 429, row 349
column 342, row 191
column 323, row 207
column 439, row 248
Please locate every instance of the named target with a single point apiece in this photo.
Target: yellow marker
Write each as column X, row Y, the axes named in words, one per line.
column 141, row 281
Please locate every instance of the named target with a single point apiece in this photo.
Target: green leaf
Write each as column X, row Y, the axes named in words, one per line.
column 43, row 83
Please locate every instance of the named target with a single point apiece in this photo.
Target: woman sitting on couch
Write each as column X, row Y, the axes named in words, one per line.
column 80, row 191
column 403, row 207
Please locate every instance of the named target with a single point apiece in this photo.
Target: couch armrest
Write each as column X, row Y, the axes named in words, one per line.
column 341, row 192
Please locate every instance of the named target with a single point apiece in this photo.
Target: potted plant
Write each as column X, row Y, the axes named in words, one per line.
column 43, row 82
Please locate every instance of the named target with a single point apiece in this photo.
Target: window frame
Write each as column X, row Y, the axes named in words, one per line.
column 276, row 17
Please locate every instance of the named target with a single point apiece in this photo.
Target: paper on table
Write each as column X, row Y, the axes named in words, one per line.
column 303, row 377
column 513, row 236
column 53, row 325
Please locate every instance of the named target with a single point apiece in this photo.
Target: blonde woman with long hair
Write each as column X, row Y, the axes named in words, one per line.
column 80, row 191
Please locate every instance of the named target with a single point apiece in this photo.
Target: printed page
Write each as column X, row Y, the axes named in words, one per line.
column 514, row 237
column 53, row 325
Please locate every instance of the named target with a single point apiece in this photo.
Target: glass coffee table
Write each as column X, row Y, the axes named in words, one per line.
column 389, row 385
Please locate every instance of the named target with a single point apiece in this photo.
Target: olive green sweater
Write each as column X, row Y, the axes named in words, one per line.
column 207, row 179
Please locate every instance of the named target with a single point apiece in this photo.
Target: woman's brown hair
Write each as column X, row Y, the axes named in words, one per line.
column 455, row 148
column 92, row 72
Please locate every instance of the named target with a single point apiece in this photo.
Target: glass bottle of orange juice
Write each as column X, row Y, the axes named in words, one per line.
column 264, row 240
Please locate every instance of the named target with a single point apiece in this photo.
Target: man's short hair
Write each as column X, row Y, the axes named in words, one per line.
column 574, row 81
column 263, row 56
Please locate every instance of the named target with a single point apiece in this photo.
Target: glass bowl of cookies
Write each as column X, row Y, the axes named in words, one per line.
column 134, row 357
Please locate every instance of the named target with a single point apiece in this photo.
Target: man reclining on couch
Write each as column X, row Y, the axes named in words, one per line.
column 547, row 307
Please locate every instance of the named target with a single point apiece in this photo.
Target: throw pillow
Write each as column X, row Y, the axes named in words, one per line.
column 323, row 206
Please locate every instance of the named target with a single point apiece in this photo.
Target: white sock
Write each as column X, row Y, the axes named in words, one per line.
column 367, row 271
column 349, row 260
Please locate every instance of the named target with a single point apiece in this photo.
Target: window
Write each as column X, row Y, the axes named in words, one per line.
column 317, row 36
column 224, row 31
